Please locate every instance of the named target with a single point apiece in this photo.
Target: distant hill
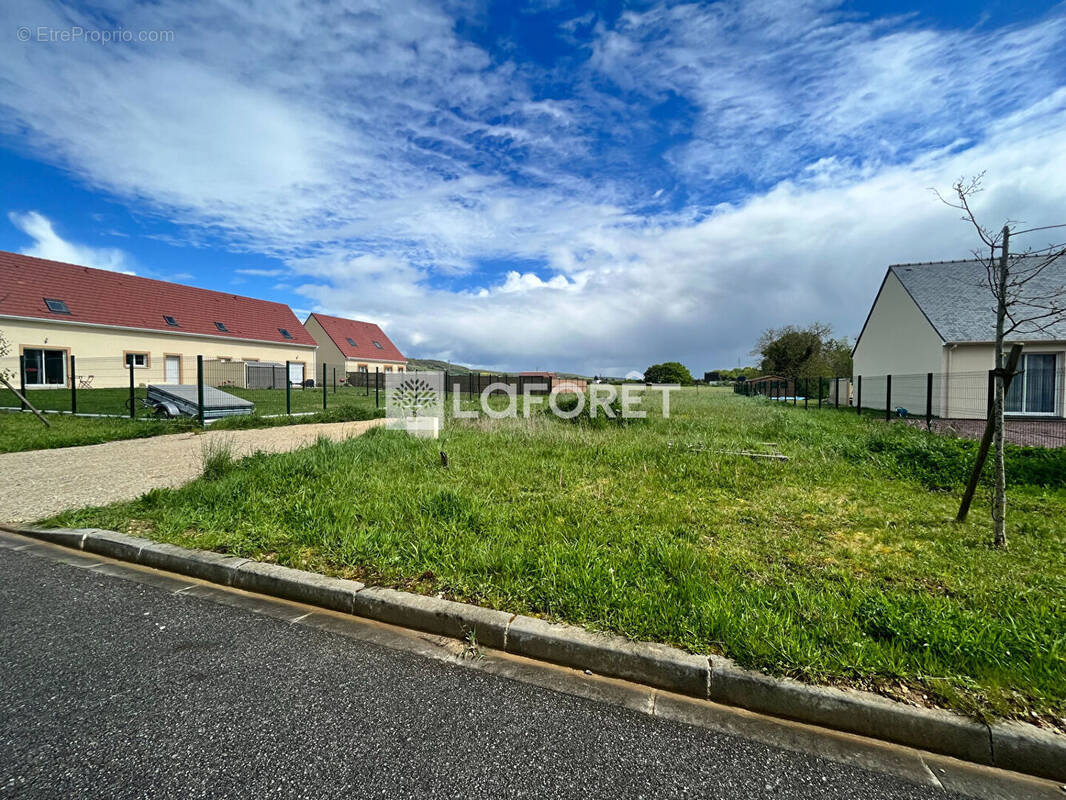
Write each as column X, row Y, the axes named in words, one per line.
column 441, row 366
column 459, row 369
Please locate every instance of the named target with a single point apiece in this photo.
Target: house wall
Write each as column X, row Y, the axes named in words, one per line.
column 91, row 345
column 898, row 339
column 968, row 366
column 328, row 353
column 353, row 365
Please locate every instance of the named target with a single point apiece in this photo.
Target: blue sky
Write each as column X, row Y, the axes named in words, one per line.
column 584, row 186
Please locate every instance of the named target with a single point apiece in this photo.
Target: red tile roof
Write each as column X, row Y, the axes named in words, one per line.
column 99, row 297
column 364, row 334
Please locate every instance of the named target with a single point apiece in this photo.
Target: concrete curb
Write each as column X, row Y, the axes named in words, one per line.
column 1012, row 746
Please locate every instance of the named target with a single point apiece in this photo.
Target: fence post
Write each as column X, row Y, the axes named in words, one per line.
column 73, row 387
column 22, row 380
column 549, row 384
column 991, row 393
column 806, row 391
column 446, row 382
column 795, row 390
column 334, row 380
column 929, row 400
column 819, row 391
column 288, row 389
column 133, row 407
column 377, row 400
column 325, row 387
column 888, row 398
column 858, row 395
column 836, row 392
column 200, row 389
column 366, row 382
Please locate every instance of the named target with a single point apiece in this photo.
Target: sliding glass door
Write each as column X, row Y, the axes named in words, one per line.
column 1033, row 392
column 45, row 367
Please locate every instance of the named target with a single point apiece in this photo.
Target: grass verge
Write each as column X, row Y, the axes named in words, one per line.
column 839, row 566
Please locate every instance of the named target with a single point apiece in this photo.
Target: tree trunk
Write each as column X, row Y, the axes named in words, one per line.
column 999, row 497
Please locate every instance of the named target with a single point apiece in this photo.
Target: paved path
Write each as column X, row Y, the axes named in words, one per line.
column 39, row 483
column 113, row 688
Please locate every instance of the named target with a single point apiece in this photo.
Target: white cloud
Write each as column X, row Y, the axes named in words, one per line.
column 261, row 273
column 407, row 176
column 49, row 244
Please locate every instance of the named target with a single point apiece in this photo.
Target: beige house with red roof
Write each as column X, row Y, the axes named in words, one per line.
column 50, row 311
column 359, row 346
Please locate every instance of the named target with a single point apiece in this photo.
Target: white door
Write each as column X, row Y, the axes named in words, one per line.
column 296, row 372
column 172, row 369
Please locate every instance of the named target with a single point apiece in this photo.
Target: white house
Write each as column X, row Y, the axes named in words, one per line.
column 50, row 311
column 940, row 318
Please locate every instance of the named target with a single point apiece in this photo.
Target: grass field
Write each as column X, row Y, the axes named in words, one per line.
column 841, row 565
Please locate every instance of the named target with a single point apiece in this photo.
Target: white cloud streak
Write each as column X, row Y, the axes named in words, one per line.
column 49, row 244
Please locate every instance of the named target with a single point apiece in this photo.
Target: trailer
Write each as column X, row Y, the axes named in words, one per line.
column 179, row 400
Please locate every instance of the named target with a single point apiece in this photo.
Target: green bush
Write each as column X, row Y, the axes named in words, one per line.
column 944, row 462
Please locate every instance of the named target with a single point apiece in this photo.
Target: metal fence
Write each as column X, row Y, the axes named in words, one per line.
column 117, row 386
column 956, row 403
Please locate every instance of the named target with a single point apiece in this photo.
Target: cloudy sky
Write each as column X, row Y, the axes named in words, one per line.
column 592, row 187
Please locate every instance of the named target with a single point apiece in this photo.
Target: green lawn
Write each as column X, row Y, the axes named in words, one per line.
column 841, row 565
column 23, row 431
column 267, row 401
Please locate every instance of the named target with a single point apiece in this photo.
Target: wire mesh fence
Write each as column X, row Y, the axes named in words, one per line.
column 956, row 403
column 132, row 385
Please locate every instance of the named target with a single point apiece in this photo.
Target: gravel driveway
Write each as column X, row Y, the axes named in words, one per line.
column 40, row 483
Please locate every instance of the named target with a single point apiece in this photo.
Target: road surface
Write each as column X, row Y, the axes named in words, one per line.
column 113, row 687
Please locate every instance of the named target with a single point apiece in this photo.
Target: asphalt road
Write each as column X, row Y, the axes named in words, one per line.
column 112, row 688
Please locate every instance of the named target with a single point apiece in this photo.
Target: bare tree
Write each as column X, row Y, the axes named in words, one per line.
column 1029, row 299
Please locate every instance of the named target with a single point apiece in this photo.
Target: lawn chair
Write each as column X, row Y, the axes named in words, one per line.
column 85, row 381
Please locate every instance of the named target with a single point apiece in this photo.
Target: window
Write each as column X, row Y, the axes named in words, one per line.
column 399, row 369
column 1034, row 391
column 285, row 333
column 173, row 323
column 139, row 360
column 377, row 344
column 388, row 369
column 45, row 367
column 221, row 327
column 56, row 306
column 351, row 341
column 363, row 368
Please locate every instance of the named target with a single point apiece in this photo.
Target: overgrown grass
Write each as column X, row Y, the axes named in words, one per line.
column 838, row 566
column 23, row 431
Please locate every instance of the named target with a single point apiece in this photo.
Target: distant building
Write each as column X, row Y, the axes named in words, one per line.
column 358, row 346
column 558, row 384
column 50, row 311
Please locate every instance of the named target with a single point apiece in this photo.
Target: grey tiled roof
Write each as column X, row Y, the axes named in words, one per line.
column 955, row 297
